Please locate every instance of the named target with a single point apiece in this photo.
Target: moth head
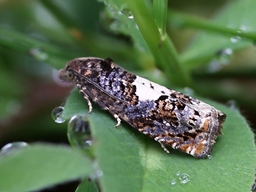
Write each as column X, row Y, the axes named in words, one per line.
column 66, row 75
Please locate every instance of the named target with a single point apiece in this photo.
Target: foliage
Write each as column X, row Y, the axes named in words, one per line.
column 52, row 32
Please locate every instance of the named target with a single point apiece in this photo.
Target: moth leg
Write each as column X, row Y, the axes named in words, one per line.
column 158, row 139
column 118, row 120
column 86, row 97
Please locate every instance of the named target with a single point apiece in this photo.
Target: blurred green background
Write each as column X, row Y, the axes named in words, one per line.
column 30, row 88
column 37, row 38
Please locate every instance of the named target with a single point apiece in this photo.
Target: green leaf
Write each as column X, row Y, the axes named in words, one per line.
column 53, row 54
column 160, row 15
column 87, row 186
column 128, row 158
column 41, row 165
column 237, row 15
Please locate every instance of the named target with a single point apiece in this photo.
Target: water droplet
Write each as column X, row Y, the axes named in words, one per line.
column 232, row 104
column 38, row 54
column 209, row 157
column 235, row 39
column 243, row 28
column 184, row 178
column 56, row 114
column 10, row 147
column 79, row 133
column 126, row 12
column 222, row 58
column 178, row 173
column 173, row 182
column 97, row 171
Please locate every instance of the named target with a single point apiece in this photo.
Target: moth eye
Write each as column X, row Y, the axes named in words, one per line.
column 70, row 75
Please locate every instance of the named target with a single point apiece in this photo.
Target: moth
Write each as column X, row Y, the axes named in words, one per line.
column 169, row 117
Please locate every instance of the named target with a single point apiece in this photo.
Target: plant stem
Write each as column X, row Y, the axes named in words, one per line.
column 161, row 47
column 160, row 15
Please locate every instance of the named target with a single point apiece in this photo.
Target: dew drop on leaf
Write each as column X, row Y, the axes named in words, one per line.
column 209, row 157
column 125, row 11
column 243, row 28
column 235, row 39
column 224, row 56
column 57, row 114
column 184, row 178
column 97, row 173
column 10, row 147
column 221, row 59
column 79, row 133
column 173, row 182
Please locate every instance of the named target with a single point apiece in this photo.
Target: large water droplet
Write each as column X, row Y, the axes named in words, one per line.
column 57, row 114
column 184, row 178
column 79, row 133
column 125, row 11
column 38, row 54
column 10, row 147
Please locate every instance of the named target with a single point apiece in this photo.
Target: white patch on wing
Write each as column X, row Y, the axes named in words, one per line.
column 145, row 91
